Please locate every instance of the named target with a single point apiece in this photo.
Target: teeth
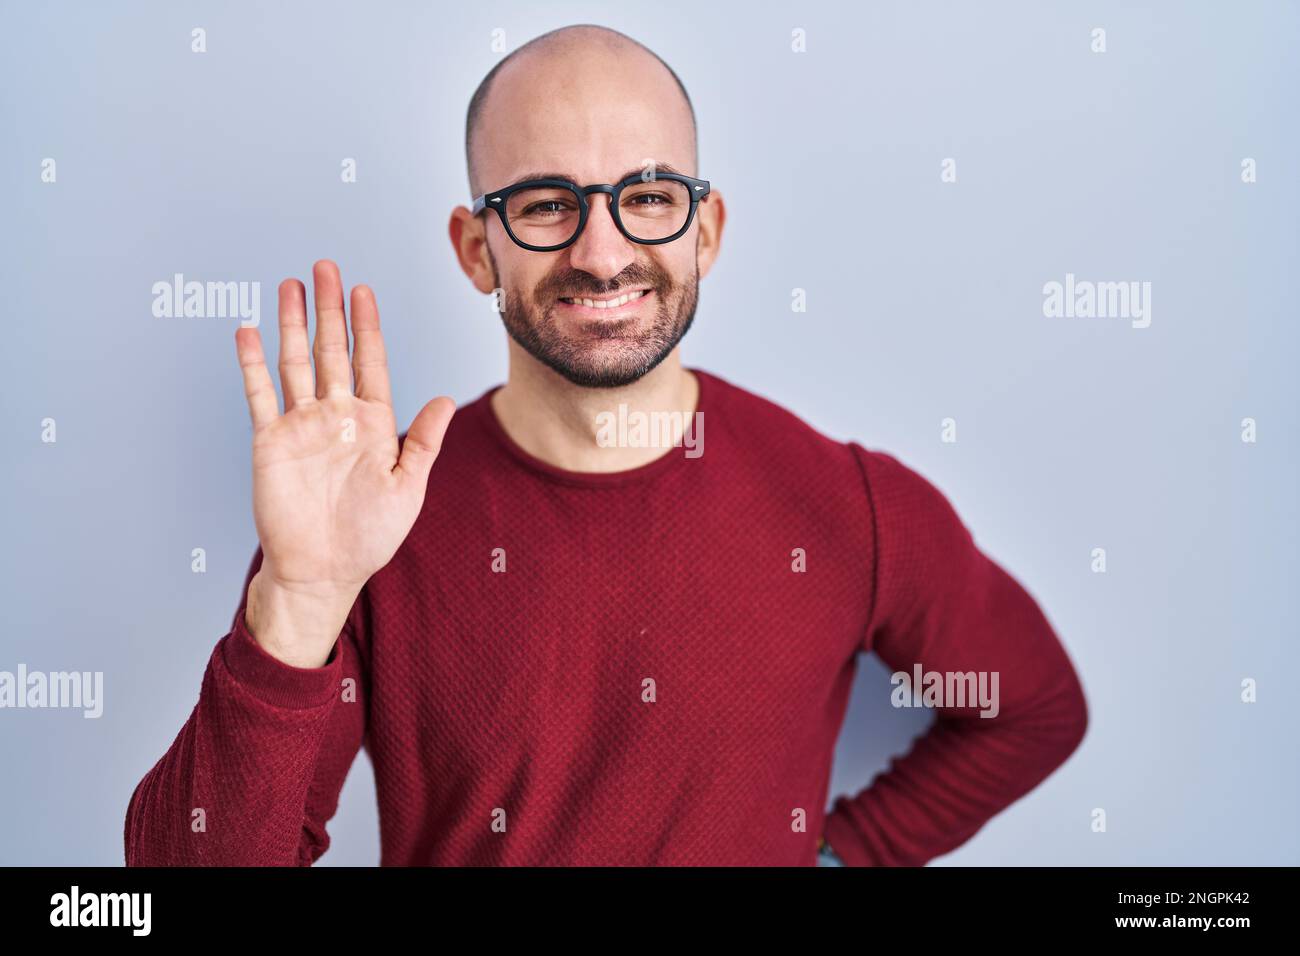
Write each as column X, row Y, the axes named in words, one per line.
column 607, row 303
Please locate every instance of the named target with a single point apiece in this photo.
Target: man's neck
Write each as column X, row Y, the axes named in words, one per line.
column 558, row 422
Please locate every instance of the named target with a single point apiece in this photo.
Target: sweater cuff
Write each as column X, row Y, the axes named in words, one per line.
column 844, row 840
column 273, row 681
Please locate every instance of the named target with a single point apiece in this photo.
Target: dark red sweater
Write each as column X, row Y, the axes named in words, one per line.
column 524, row 697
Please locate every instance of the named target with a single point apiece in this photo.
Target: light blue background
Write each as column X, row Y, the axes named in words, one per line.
column 924, row 302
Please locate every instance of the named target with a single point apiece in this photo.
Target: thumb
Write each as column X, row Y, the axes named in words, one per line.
column 424, row 441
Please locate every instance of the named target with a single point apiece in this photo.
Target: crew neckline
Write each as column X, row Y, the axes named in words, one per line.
column 673, row 457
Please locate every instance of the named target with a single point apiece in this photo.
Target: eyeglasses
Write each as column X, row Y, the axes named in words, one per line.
column 544, row 215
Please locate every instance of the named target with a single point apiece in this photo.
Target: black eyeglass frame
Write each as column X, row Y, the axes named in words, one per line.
column 697, row 188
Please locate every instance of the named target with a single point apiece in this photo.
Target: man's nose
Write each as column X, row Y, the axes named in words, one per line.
column 601, row 250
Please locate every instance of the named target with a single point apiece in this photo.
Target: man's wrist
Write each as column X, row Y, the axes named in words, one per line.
column 296, row 628
column 826, row 856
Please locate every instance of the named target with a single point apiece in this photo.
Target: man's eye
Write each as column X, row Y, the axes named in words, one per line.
column 651, row 199
column 549, row 207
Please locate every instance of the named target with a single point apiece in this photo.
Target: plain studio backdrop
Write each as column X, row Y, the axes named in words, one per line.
column 924, row 302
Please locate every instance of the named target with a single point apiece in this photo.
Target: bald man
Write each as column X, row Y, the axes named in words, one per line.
column 585, row 636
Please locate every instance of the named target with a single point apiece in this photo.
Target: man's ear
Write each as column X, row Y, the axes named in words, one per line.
column 711, row 216
column 469, row 242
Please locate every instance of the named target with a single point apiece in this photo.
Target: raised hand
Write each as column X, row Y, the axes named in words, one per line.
column 332, row 498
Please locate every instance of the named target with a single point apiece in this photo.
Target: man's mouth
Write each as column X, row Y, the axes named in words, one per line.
column 607, row 304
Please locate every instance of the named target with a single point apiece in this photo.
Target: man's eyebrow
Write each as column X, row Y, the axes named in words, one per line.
column 565, row 177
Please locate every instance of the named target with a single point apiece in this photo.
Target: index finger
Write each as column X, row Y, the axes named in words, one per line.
column 369, row 358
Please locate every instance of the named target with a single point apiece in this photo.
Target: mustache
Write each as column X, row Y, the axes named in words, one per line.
column 575, row 283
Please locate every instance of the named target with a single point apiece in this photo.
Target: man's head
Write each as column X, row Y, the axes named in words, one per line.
column 591, row 105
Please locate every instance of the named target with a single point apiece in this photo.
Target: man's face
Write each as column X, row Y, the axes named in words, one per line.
column 590, row 345
column 592, row 117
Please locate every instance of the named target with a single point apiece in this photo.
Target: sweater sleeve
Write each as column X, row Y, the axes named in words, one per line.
column 941, row 603
column 256, row 771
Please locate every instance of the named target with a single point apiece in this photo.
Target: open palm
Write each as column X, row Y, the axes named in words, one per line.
column 333, row 494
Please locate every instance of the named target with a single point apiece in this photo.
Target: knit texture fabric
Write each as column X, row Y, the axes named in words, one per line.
column 647, row 667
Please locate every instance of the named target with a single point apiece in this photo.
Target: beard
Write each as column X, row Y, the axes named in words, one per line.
column 600, row 353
